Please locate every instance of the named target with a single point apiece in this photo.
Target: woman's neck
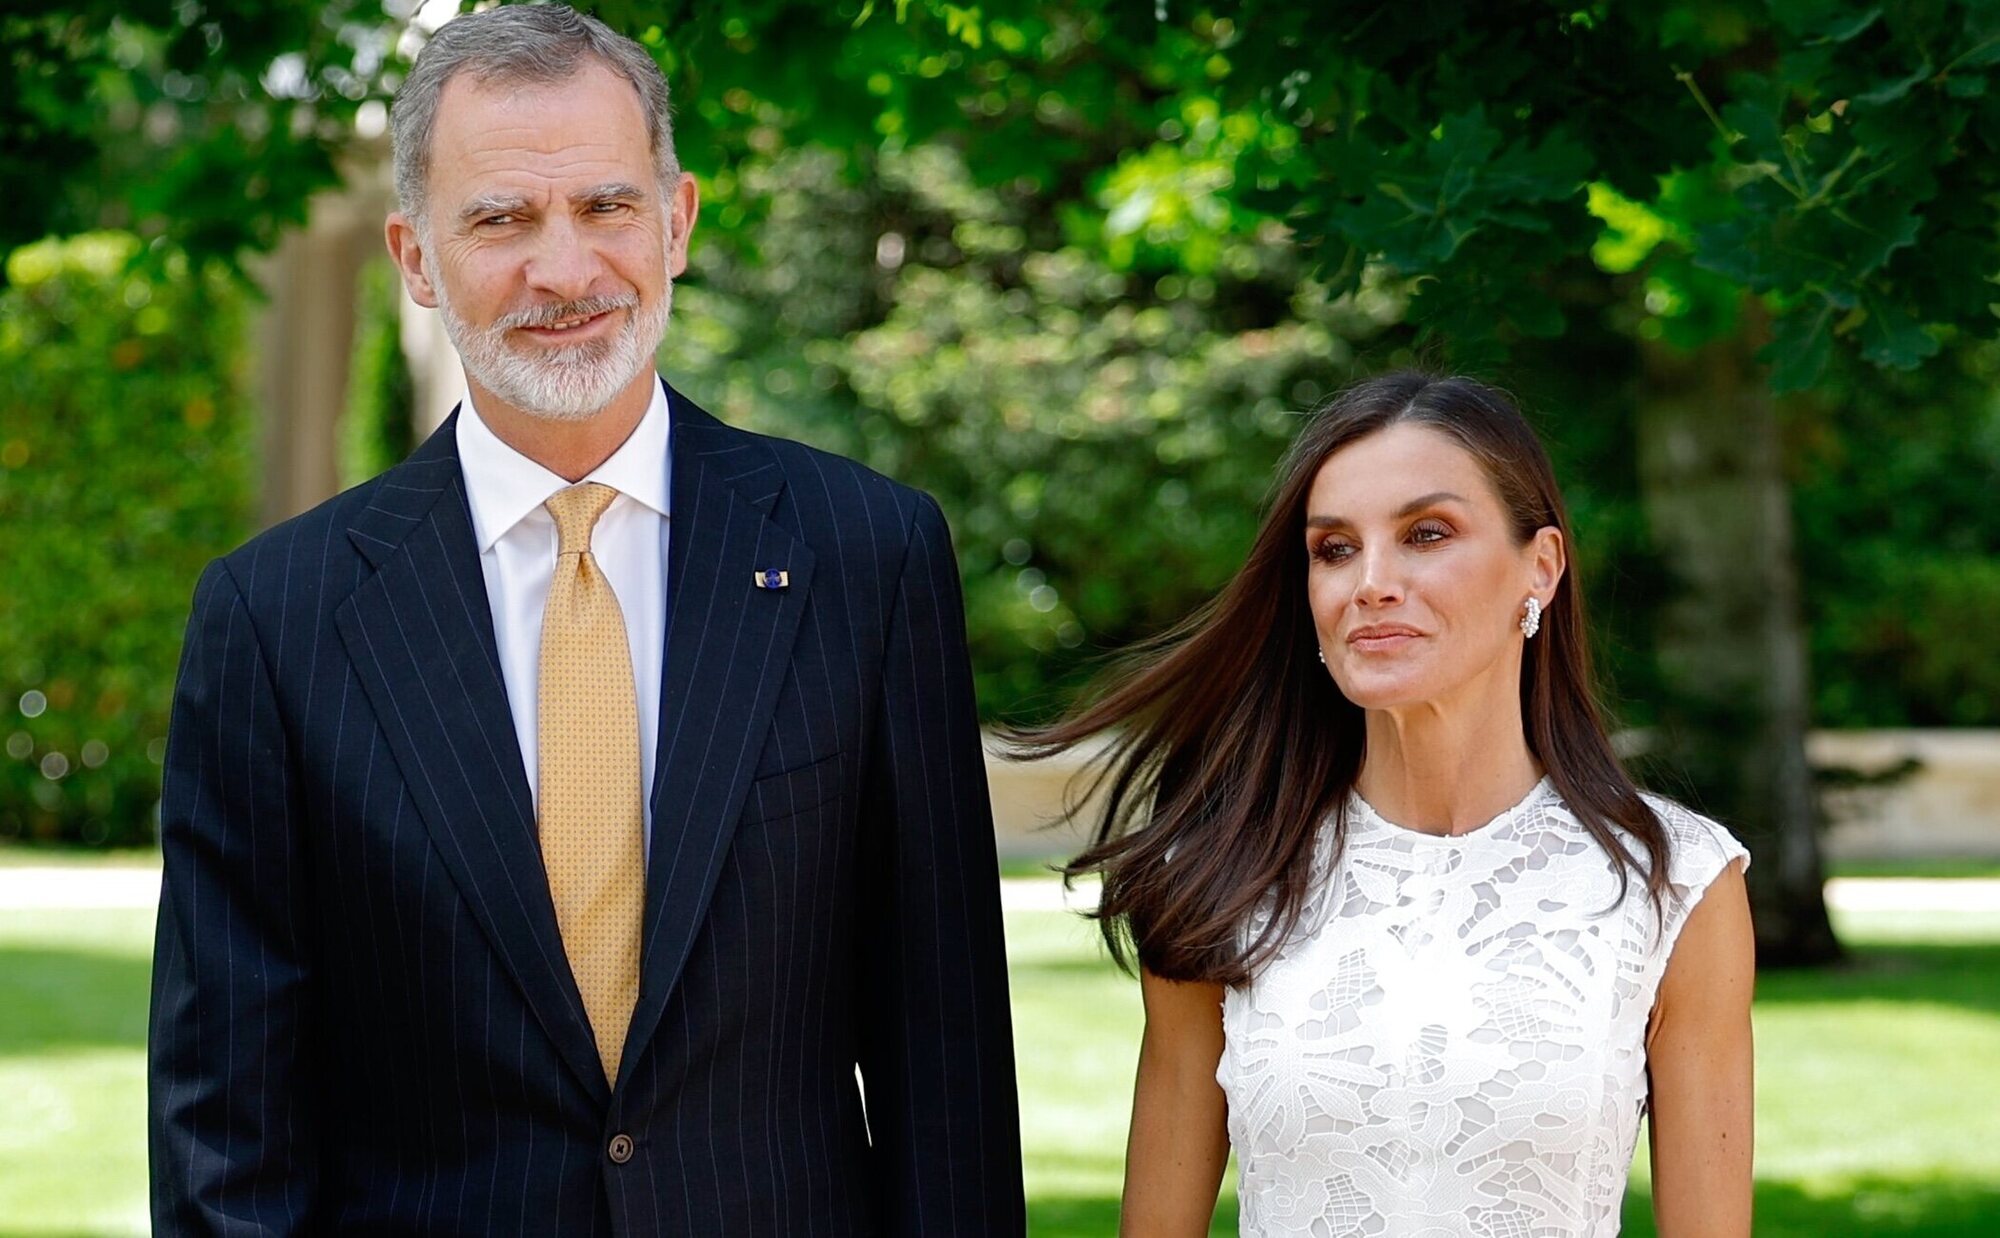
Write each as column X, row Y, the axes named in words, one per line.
column 1448, row 767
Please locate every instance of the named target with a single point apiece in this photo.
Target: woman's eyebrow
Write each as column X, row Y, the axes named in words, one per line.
column 1435, row 496
column 1414, row 505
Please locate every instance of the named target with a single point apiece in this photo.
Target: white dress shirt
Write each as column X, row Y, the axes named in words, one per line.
column 516, row 536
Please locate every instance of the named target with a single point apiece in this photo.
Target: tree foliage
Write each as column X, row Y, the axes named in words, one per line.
column 1073, row 264
column 1833, row 156
column 203, row 128
column 1899, row 541
column 125, row 463
column 1101, row 448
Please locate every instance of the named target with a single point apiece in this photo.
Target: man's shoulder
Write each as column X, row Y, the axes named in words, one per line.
column 284, row 564
column 831, row 495
column 840, row 481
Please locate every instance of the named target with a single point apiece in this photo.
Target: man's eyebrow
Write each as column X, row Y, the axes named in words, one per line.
column 1414, row 505
column 492, row 204
column 612, row 192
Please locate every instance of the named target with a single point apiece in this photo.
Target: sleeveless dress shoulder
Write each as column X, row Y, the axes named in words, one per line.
column 1452, row 1042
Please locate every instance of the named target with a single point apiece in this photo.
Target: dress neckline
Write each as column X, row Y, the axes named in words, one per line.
column 1366, row 814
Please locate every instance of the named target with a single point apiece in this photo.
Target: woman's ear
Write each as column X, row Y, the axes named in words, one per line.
column 1550, row 559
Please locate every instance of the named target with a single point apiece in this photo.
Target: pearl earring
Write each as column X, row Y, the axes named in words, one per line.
column 1531, row 622
column 1322, row 657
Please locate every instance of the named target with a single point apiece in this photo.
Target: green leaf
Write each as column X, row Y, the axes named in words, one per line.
column 1892, row 339
column 1805, row 67
column 1729, row 248
column 1464, row 144
column 1891, row 91
column 1549, row 172
column 1838, row 27
column 1756, row 120
column 1536, row 314
column 1801, row 345
column 1982, row 41
column 1879, row 227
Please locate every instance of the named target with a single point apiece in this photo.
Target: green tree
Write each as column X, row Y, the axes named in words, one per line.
column 1100, row 446
column 1764, row 183
column 1769, row 182
column 124, row 465
column 1754, row 194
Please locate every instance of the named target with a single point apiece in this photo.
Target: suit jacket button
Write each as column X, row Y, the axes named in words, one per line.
column 620, row 1150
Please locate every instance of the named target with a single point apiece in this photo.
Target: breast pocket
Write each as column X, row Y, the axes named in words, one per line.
column 794, row 791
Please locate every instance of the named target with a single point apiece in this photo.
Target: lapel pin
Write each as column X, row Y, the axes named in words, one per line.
column 772, row 578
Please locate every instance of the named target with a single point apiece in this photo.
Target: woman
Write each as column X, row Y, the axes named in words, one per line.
column 1410, row 940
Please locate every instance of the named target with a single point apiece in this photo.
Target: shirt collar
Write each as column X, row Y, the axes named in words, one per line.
column 503, row 486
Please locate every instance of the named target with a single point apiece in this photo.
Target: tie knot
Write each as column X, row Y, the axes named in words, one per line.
column 576, row 511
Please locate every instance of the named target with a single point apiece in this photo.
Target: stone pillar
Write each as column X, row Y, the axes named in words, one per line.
column 1731, row 639
column 435, row 374
column 304, row 339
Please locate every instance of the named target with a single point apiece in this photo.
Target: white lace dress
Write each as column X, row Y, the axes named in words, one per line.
column 1453, row 1042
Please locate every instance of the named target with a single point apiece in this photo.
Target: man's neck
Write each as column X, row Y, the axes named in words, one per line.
column 569, row 449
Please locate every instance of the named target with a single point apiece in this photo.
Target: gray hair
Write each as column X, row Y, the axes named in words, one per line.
column 517, row 45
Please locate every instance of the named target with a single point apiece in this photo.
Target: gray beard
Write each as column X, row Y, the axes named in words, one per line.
column 572, row 382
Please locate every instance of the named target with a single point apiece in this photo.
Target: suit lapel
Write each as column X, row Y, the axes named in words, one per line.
column 420, row 633
column 728, row 650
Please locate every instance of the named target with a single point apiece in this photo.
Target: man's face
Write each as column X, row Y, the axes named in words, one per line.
column 547, row 243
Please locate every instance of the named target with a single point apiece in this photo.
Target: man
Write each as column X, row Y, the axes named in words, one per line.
column 555, row 824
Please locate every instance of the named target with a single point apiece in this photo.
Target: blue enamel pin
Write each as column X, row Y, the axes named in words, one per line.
column 772, row 578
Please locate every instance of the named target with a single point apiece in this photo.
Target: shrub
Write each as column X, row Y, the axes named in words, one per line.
column 124, row 465
column 1899, row 542
column 1100, row 441
column 378, row 426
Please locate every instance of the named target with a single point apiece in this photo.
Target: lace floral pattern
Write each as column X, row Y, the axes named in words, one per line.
column 1452, row 1043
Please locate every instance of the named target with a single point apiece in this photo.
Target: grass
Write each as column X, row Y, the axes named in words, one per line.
column 1076, row 1024
column 1930, row 867
column 73, row 993
column 1878, row 1082
column 59, row 855
column 1030, row 866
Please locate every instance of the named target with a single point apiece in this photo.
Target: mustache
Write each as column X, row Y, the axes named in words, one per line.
column 563, row 311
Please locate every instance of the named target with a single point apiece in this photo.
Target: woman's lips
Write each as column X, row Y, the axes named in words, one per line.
column 1380, row 640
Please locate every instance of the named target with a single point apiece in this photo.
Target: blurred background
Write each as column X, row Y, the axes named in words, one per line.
column 1078, row 267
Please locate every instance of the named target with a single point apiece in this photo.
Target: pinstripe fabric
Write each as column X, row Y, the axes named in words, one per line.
column 362, row 1017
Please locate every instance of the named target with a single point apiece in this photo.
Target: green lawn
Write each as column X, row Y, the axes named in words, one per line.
column 1878, row 1084
column 18, row 855
column 73, row 1071
column 1942, row 866
column 1930, row 867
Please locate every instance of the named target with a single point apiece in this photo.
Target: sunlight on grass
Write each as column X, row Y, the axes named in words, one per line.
column 1077, row 1042
column 1076, row 1027
column 1878, row 1082
column 15, row 855
column 73, row 992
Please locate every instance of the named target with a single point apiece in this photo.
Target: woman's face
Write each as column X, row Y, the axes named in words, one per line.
column 1416, row 584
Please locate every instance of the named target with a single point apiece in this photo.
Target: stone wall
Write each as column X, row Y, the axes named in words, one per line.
column 1948, row 805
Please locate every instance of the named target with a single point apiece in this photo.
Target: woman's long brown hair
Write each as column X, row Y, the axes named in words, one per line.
column 1230, row 746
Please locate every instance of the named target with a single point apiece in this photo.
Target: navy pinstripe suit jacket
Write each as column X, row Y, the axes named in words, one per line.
column 363, row 1020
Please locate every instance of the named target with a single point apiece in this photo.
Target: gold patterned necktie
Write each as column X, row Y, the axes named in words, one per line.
column 588, row 740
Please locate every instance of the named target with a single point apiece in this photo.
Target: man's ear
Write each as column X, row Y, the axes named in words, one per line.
column 408, row 252
column 683, row 205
